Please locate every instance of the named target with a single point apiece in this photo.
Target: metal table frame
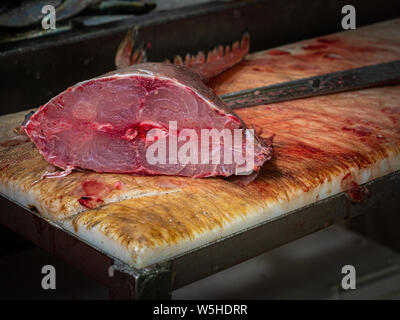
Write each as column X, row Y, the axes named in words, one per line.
column 267, row 22
column 159, row 280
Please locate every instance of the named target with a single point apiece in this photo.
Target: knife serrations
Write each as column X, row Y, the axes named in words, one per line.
column 352, row 79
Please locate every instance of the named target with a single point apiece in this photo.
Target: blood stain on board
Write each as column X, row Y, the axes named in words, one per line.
column 90, row 202
column 277, row 52
column 332, row 56
column 314, row 46
column 4, row 164
column 391, row 110
column 13, row 142
column 328, row 40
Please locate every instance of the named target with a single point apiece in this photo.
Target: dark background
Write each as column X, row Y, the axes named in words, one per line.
column 35, row 70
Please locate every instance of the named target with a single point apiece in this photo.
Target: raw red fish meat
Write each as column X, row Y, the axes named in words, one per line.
column 103, row 124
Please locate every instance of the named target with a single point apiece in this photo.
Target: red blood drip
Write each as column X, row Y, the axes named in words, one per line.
column 314, row 46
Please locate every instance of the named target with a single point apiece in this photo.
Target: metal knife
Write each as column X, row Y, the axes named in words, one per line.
column 352, row 79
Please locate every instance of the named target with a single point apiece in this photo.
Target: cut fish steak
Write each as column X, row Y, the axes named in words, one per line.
column 104, row 124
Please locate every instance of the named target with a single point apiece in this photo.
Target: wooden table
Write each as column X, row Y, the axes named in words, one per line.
column 156, row 234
